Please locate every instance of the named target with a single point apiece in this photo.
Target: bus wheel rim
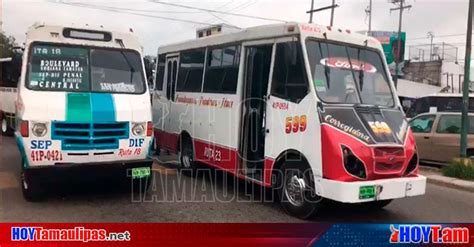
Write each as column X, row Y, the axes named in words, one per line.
column 186, row 160
column 4, row 125
column 23, row 181
column 294, row 190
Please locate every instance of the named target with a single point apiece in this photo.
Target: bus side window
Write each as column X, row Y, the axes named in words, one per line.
column 191, row 70
column 160, row 72
column 169, row 83
column 289, row 75
column 222, row 70
column 175, row 76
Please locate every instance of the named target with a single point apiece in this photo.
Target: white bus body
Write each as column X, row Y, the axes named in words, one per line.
column 265, row 100
column 83, row 107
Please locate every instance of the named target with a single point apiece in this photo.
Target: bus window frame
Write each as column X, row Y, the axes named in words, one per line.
column 238, row 45
column 351, row 45
column 179, row 54
column 29, row 56
column 305, row 64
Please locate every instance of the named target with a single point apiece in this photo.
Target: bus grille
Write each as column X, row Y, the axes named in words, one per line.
column 89, row 136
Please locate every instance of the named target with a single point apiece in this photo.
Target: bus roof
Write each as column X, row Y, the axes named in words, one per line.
column 273, row 31
column 55, row 34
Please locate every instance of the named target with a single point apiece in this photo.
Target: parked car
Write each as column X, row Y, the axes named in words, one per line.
column 438, row 136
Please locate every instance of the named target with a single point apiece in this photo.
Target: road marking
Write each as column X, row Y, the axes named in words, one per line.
column 8, row 181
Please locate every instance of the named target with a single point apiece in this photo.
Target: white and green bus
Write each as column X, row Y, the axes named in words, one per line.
column 83, row 108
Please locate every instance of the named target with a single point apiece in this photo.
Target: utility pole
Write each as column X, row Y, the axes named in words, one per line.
column 332, row 12
column 401, row 7
column 332, row 7
column 368, row 11
column 465, row 89
column 1, row 16
column 431, row 36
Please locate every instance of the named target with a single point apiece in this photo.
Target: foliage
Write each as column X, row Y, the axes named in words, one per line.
column 150, row 63
column 7, row 45
column 459, row 170
column 10, row 71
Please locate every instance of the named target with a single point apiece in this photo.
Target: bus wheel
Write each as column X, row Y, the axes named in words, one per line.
column 32, row 191
column 186, row 156
column 156, row 148
column 4, row 128
column 296, row 191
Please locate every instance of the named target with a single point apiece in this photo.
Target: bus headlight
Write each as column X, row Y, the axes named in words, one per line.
column 39, row 129
column 352, row 164
column 139, row 129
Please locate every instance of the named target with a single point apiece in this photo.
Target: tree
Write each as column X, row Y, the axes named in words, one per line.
column 150, row 64
column 10, row 71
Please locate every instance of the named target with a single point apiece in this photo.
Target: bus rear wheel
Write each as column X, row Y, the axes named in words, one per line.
column 5, row 128
column 31, row 189
column 186, row 156
column 296, row 191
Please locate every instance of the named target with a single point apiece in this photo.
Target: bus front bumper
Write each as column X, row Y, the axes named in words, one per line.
column 84, row 172
column 366, row 191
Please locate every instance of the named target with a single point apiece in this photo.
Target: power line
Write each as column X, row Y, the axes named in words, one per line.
column 441, row 36
column 217, row 11
column 112, row 9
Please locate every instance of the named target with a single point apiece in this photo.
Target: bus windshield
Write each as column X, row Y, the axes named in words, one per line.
column 348, row 74
column 84, row 69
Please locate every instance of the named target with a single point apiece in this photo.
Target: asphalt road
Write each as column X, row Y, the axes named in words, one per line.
column 194, row 200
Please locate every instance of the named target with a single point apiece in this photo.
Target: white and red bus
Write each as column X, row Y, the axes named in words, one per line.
column 306, row 109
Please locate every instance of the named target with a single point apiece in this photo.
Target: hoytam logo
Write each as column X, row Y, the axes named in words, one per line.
column 435, row 234
column 346, row 128
column 79, row 234
column 344, row 63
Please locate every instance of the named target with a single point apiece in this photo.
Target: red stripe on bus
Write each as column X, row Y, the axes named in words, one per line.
column 215, row 155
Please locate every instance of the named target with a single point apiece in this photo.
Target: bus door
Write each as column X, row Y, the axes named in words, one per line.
column 252, row 142
column 171, row 75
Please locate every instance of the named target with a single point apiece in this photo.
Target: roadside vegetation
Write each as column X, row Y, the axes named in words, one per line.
column 459, row 170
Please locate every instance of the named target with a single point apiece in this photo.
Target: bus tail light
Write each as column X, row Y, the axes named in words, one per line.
column 149, row 128
column 24, row 128
column 352, row 164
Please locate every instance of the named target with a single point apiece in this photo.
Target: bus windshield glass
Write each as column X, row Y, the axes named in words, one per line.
column 348, row 74
column 84, row 69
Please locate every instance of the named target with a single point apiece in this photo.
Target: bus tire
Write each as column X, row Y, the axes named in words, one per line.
column 5, row 129
column 295, row 188
column 156, row 148
column 375, row 205
column 186, row 156
column 32, row 190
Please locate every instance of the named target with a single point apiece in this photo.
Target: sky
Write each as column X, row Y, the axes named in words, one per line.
column 442, row 17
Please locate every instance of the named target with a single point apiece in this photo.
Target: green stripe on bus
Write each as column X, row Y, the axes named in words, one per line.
column 78, row 107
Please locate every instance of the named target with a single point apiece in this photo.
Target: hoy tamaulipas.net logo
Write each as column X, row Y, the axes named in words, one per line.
column 80, row 234
column 429, row 234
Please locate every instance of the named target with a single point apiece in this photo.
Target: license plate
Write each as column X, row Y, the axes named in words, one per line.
column 367, row 192
column 141, row 172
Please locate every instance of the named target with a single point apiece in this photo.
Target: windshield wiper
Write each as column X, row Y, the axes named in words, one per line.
column 361, row 72
column 353, row 74
column 327, row 71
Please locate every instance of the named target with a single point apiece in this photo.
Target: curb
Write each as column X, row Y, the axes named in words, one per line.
column 434, row 176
